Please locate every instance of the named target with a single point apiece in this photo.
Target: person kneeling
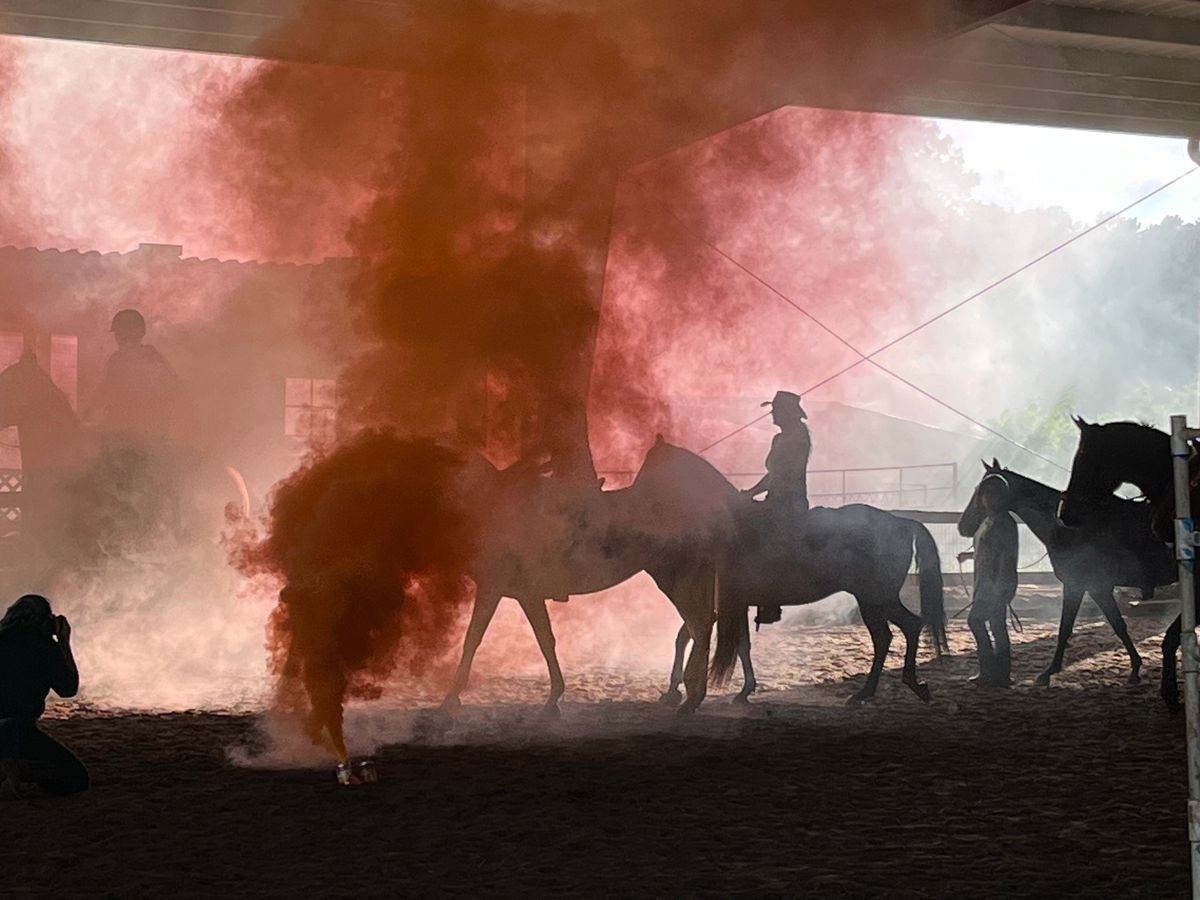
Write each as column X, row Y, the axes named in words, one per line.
column 35, row 658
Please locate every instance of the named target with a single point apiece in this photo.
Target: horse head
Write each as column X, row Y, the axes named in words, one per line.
column 1108, row 456
column 28, row 396
column 974, row 514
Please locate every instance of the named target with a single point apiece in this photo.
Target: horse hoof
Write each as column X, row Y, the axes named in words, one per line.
column 921, row 689
column 1043, row 680
column 1134, row 678
column 741, row 700
column 671, row 698
column 450, row 706
column 551, row 712
column 856, row 700
column 688, row 709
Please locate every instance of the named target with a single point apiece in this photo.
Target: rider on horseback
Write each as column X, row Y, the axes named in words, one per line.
column 141, row 407
column 140, row 396
column 786, row 481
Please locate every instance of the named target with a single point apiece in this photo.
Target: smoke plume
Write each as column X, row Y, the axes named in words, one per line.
column 491, row 169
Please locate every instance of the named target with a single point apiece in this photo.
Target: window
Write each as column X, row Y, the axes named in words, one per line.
column 310, row 409
column 12, row 345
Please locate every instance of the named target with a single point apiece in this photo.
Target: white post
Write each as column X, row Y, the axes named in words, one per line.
column 1185, row 553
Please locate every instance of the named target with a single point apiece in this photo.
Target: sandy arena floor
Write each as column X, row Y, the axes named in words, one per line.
column 1074, row 791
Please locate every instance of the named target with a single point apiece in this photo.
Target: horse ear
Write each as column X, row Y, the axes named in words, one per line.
column 1080, row 422
column 996, row 465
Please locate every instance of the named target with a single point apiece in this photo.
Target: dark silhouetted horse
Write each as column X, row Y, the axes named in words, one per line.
column 858, row 549
column 1113, row 547
column 1108, row 456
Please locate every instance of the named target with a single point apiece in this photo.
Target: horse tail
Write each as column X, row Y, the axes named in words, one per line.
column 929, row 570
column 731, row 631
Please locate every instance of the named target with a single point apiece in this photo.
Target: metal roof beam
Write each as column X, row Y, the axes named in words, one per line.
column 1048, row 118
column 1106, row 23
column 1007, row 52
column 1073, row 83
column 1016, row 104
column 1040, row 98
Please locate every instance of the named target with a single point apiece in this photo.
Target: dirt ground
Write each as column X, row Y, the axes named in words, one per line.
column 1073, row 791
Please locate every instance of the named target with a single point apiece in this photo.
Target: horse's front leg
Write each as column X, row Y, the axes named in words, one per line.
column 1071, row 599
column 749, row 683
column 539, row 620
column 481, row 616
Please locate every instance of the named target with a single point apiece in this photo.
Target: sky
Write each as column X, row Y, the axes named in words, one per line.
column 1087, row 173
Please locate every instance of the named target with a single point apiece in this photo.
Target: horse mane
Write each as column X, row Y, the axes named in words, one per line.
column 685, row 463
column 43, row 391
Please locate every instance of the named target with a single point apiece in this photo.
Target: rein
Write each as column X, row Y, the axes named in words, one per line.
column 1016, row 620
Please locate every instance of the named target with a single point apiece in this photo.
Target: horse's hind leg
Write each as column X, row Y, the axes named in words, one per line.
column 749, row 682
column 481, row 616
column 1170, row 684
column 539, row 619
column 673, row 696
column 881, row 638
column 696, row 671
column 1072, row 597
column 911, row 625
column 1108, row 605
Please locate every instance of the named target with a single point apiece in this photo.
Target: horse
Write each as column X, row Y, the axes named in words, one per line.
column 547, row 537
column 859, row 549
column 1108, row 456
column 78, row 494
column 54, row 449
column 1112, row 547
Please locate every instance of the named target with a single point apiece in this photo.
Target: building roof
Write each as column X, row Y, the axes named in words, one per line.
column 1114, row 65
column 1120, row 65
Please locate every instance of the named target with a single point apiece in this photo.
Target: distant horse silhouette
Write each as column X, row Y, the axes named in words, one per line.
column 53, row 451
column 1113, row 547
column 75, row 495
column 543, row 537
column 859, row 549
column 1108, row 456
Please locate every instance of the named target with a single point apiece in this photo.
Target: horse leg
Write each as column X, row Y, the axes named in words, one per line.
column 881, row 638
column 696, row 672
column 673, row 697
column 911, row 625
column 481, row 616
column 539, row 619
column 749, row 682
column 1170, row 684
column 1108, row 605
column 1072, row 598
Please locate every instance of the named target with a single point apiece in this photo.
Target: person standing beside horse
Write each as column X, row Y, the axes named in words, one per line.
column 995, row 555
column 786, row 481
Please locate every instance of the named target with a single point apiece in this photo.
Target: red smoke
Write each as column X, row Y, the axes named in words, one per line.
column 486, row 178
column 369, row 545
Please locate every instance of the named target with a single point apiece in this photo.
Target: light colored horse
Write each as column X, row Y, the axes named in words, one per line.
column 543, row 538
